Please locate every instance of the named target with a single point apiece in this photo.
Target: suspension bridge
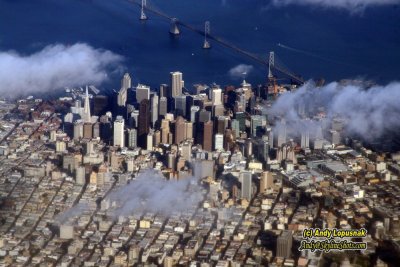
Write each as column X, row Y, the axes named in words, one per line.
column 274, row 66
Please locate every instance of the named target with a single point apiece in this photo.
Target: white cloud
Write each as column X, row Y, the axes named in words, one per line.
column 240, row 71
column 352, row 5
column 54, row 67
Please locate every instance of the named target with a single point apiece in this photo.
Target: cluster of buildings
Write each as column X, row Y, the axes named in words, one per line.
column 260, row 187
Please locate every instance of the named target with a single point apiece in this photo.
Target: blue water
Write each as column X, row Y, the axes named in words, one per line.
column 328, row 43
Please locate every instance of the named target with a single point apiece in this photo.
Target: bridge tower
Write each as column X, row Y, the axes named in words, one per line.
column 142, row 14
column 206, row 44
column 272, row 86
column 174, row 27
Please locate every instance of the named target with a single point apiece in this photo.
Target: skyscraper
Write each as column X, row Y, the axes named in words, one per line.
column 179, row 130
column 100, row 105
column 126, row 82
column 122, row 97
column 235, row 127
column 284, row 244
column 266, row 181
column 305, row 139
column 86, row 117
column 119, row 137
column 78, row 129
column 194, row 113
column 163, row 106
column 188, row 130
column 176, row 83
column 247, row 188
column 180, row 105
column 142, row 92
column 281, row 136
column 222, row 124
column 132, row 138
column 208, row 135
column 219, row 141
column 144, row 123
column 164, row 91
column 258, row 122
column 216, row 96
column 154, row 109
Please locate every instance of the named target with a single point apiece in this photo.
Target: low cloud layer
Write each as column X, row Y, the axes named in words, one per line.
column 369, row 112
column 151, row 192
column 240, row 71
column 54, row 67
column 352, row 5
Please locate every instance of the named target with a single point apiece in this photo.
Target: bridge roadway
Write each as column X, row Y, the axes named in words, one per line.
column 222, row 42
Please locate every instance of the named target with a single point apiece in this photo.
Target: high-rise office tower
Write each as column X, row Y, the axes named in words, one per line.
column 258, row 122
column 78, row 129
column 188, row 130
column 219, row 141
column 266, row 181
column 247, row 188
column 96, row 130
column 176, row 83
column 119, row 136
column 144, row 122
column 86, row 117
column 157, row 138
column 179, row 130
column 208, row 135
column 284, row 244
column 154, row 109
column 105, row 129
column 171, row 161
column 150, row 139
column 305, row 139
column 132, row 138
column 165, row 130
column 235, row 128
column 281, row 135
column 142, row 92
column 218, row 110
column 122, row 97
column 164, row 91
column 241, row 118
column 134, row 119
column 180, row 105
column 335, row 137
column 126, row 82
column 204, row 115
column 222, row 124
column 216, row 96
column 194, row 113
column 100, row 104
column 163, row 106
column 186, row 150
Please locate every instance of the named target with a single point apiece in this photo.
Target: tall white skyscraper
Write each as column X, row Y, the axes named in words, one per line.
column 86, row 109
column 126, row 82
column 154, row 109
column 219, row 141
column 216, row 96
column 119, row 137
column 176, row 83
